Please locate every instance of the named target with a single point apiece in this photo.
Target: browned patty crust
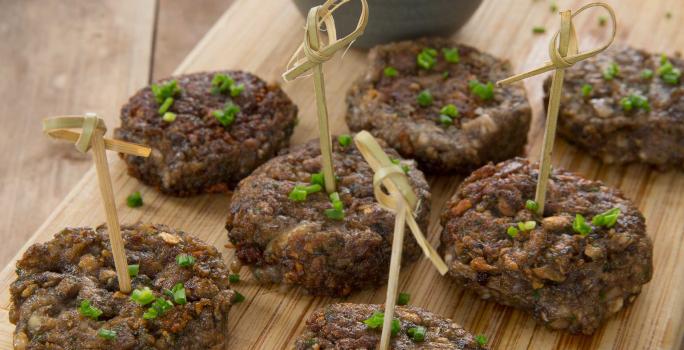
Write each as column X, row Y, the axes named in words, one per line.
column 196, row 153
column 565, row 280
column 340, row 326
column 597, row 122
column 484, row 130
column 77, row 264
column 295, row 243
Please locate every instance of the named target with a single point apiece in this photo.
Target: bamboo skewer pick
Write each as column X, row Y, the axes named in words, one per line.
column 315, row 54
column 403, row 202
column 562, row 57
column 92, row 135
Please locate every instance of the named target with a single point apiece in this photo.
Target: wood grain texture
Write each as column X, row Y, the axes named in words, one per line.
column 271, row 318
column 60, row 58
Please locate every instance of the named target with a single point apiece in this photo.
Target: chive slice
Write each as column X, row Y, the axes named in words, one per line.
column 298, row 194
column 376, row 320
column 107, row 334
column 158, row 308
column 417, row 333
column 236, row 89
column 166, row 105
column 403, row 298
column 344, row 140
column 427, row 58
column 142, row 296
column 185, row 260
column 607, row 218
column 451, row 55
column 334, row 214
column 164, row 91
column 88, row 310
column 483, row 91
column 317, row 179
column 647, row 74
column 512, row 231
column 312, row 188
column 449, row 110
column 227, row 116
column 178, row 294
column 531, row 205
column 538, row 30
column 580, row 226
column 445, row 120
column 527, row 225
column 334, row 197
column 238, row 298
column 169, row 117
column 481, row 340
column 667, row 72
column 134, row 200
column 133, row 270
column 635, row 101
column 586, row 90
column 424, row 98
column 611, row 71
column 390, row 72
column 234, row 278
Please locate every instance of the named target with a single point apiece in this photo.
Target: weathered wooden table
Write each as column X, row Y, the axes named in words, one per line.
column 260, row 38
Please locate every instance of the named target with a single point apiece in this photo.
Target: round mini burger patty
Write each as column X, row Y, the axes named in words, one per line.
column 430, row 101
column 66, row 295
column 220, row 134
column 296, row 243
column 341, row 326
column 625, row 105
column 569, row 272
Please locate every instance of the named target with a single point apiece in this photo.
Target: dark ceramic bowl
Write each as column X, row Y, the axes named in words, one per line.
column 394, row 20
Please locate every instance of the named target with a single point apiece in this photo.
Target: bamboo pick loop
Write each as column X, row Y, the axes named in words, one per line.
column 91, row 136
column 314, row 55
column 563, row 56
column 395, row 181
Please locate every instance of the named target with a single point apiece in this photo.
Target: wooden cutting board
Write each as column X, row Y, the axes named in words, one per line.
column 259, row 38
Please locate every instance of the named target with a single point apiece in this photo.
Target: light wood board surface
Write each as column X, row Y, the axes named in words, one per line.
column 261, row 38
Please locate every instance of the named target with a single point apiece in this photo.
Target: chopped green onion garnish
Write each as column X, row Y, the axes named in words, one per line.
column 512, row 231
column 236, row 89
column 334, row 197
column 88, row 310
column 376, row 320
column 344, row 140
column 178, row 294
column 238, row 298
column 445, row 120
column 580, row 226
column 298, row 194
column 531, row 205
column 143, row 296
column 668, row 72
column 133, row 270
column 427, row 58
column 646, row 74
column 611, row 71
column 318, row 179
column 607, row 218
column 451, row 55
column 134, row 200
column 162, row 92
column 334, row 214
column 417, row 333
column 160, row 307
column 234, row 278
column 312, row 188
column 602, row 20
column 483, row 91
column 228, row 114
column 169, row 117
column 166, row 105
column 338, row 205
column 390, row 72
column 586, row 90
column 634, row 101
column 106, row 334
column 527, row 225
column 403, row 298
column 424, row 98
column 481, row 340
column 538, row 30
column 449, row 110
column 185, row 260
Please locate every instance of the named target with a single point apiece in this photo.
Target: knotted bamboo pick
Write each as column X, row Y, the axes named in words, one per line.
column 563, row 56
column 314, row 55
column 403, row 202
column 92, row 134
